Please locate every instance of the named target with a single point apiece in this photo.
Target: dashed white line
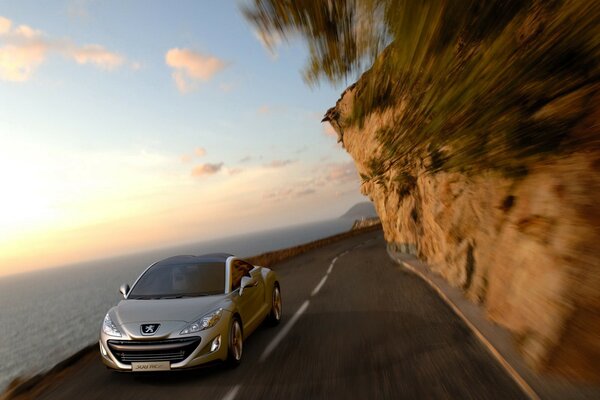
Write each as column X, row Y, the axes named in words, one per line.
column 319, row 286
column 331, row 266
column 232, row 393
column 284, row 331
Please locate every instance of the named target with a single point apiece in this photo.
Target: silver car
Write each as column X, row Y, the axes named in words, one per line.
column 187, row 311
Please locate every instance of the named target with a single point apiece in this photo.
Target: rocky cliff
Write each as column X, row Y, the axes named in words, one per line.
column 524, row 245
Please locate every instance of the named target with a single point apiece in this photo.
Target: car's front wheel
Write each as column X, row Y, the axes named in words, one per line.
column 276, row 306
column 235, row 343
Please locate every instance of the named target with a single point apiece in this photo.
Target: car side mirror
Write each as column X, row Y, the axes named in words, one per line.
column 246, row 283
column 124, row 290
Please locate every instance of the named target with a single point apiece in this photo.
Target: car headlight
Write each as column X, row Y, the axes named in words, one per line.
column 208, row 321
column 109, row 327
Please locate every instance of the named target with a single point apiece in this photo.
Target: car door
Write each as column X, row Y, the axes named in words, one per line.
column 251, row 301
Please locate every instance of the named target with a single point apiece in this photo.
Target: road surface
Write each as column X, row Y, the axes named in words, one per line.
column 355, row 326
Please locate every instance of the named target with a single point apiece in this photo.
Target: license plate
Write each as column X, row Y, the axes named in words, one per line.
column 151, row 366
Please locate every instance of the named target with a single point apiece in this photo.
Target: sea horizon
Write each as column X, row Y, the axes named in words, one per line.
column 51, row 313
column 173, row 246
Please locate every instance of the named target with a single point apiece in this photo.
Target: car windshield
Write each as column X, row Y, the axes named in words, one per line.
column 180, row 280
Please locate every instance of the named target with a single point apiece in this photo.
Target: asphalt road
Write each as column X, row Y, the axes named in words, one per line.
column 365, row 330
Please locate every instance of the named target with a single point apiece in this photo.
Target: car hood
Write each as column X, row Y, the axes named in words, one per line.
column 187, row 310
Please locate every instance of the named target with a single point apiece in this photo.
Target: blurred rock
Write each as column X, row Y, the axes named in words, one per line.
column 524, row 247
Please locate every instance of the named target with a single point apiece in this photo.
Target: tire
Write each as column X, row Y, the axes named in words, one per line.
column 235, row 343
column 274, row 317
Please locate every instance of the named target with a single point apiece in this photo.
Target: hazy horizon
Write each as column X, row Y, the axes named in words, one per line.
column 169, row 246
column 118, row 138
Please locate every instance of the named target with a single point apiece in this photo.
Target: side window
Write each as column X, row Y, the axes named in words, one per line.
column 238, row 270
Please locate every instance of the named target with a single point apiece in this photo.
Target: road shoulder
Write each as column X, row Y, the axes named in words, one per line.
column 497, row 340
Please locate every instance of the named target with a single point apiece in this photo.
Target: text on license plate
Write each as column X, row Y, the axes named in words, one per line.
column 151, row 366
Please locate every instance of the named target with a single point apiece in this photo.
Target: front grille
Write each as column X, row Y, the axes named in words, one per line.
column 173, row 350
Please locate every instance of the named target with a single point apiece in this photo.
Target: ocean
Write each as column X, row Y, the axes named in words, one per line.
column 48, row 315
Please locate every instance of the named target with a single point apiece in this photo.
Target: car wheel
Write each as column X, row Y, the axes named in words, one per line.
column 235, row 344
column 276, row 306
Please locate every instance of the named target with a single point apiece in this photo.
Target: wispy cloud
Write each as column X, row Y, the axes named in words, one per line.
column 206, row 169
column 288, row 193
column 23, row 49
column 234, row 171
column 264, row 109
column 341, row 172
column 94, row 54
column 246, row 159
column 329, row 131
column 324, row 177
column 5, row 25
column 305, row 192
column 191, row 68
column 198, row 152
column 279, row 163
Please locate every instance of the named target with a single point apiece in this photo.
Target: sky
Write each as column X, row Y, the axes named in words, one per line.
column 128, row 125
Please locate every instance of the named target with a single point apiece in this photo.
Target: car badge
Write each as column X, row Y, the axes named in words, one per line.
column 149, row 329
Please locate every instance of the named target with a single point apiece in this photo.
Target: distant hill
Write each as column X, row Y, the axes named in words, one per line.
column 361, row 210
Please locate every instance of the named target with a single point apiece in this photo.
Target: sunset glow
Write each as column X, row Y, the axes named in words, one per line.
column 112, row 142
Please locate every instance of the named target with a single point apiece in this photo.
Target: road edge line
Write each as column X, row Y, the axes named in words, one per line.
column 516, row 377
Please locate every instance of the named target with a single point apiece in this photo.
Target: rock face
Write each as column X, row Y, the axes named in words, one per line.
column 525, row 248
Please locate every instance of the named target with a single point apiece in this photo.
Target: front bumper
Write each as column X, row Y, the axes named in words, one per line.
column 181, row 351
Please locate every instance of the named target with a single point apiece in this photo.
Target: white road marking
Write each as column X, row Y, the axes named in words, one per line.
column 320, row 285
column 331, row 266
column 232, row 393
column 284, row 331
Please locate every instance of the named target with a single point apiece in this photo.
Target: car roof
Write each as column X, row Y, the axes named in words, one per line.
column 187, row 259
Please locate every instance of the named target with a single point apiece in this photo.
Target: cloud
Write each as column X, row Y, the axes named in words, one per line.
column 329, row 131
column 246, row 159
column 234, row 171
column 279, row 163
column 264, row 109
column 334, row 174
column 5, row 25
column 191, row 68
column 324, row 178
column 288, row 193
column 24, row 49
column 305, row 192
column 22, row 52
column 17, row 63
column 206, row 169
column 96, row 55
column 200, row 151
column 341, row 172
